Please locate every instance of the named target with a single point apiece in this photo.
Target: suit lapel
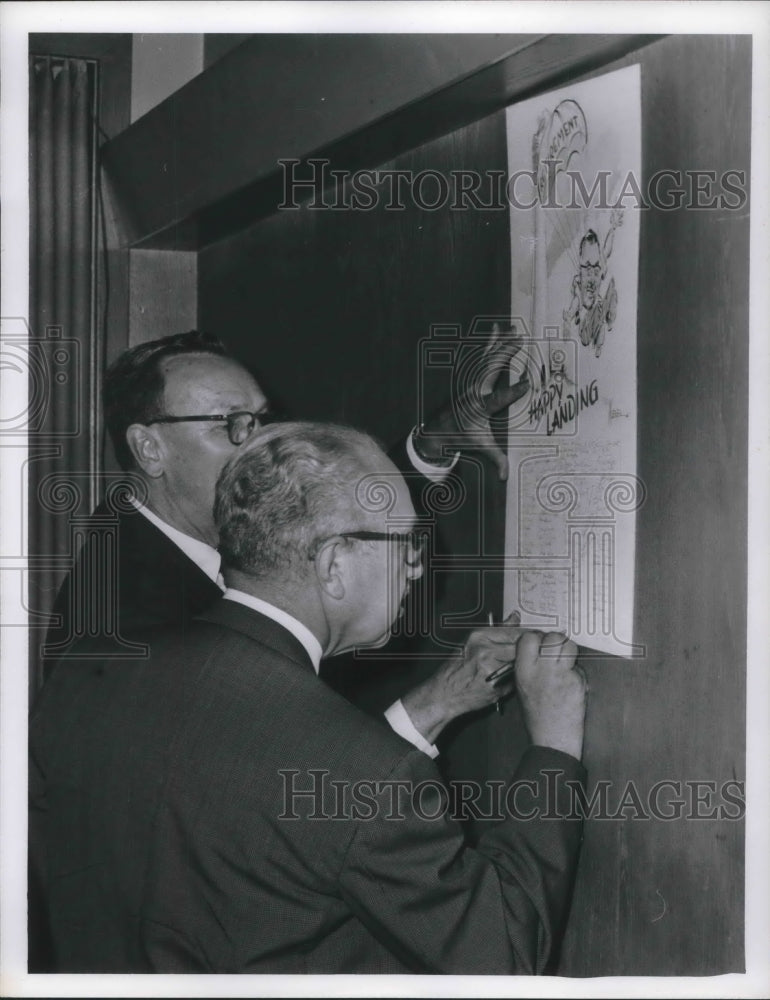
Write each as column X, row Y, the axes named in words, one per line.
column 260, row 628
column 160, row 573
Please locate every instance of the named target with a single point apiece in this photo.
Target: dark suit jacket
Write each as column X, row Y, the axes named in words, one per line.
column 129, row 576
column 149, row 581
column 173, row 845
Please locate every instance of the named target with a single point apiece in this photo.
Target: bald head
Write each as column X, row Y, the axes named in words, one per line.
column 306, row 516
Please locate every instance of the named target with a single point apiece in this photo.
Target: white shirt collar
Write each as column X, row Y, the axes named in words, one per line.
column 205, row 557
column 289, row 622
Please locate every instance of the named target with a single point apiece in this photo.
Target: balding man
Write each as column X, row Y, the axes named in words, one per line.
column 220, row 809
column 177, row 409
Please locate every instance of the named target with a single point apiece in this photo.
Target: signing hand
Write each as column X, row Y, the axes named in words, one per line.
column 460, row 684
column 552, row 691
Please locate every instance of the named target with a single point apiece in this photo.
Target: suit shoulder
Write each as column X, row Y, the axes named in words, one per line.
column 361, row 738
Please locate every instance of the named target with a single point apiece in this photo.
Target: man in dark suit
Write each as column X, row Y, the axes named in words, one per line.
column 219, row 809
column 177, row 409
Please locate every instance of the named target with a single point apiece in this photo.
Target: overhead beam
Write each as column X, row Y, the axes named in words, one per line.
column 204, row 163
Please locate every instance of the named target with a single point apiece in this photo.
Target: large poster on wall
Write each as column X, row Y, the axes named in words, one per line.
column 574, row 182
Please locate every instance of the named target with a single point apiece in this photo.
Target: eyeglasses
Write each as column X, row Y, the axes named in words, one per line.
column 239, row 424
column 414, row 541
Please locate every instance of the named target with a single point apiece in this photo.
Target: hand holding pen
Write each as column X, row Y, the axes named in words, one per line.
column 460, row 684
column 551, row 687
column 506, row 671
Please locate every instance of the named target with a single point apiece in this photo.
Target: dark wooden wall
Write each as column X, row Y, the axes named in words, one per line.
column 329, row 309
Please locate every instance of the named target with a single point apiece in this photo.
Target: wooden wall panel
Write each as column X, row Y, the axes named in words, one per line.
column 164, row 293
column 160, row 65
column 217, row 45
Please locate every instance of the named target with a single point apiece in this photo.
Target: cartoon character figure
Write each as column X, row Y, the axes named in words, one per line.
column 593, row 308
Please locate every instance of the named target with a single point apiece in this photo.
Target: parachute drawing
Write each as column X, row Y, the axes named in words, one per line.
column 559, row 136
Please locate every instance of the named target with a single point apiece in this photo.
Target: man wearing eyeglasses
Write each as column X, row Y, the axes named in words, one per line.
column 234, row 814
column 177, row 409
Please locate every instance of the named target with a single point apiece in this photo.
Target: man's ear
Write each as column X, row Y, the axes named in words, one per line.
column 330, row 567
column 146, row 449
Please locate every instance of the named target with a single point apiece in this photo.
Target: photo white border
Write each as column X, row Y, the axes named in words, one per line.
column 16, row 21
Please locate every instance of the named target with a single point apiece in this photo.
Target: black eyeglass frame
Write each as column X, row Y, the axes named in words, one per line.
column 414, row 539
column 264, row 417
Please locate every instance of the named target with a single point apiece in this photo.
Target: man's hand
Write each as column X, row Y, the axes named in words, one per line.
column 464, row 422
column 460, row 684
column 552, row 691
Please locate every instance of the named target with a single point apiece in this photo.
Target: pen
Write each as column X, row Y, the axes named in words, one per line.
column 501, row 673
column 499, row 702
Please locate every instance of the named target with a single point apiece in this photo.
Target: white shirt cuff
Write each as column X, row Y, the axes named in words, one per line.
column 399, row 722
column 436, row 473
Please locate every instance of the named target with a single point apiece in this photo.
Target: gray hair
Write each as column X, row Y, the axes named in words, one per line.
column 288, row 486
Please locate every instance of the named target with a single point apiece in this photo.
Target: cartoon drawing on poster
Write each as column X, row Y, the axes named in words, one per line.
column 573, row 492
column 594, row 303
